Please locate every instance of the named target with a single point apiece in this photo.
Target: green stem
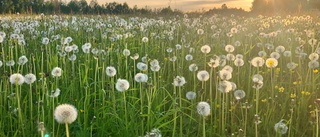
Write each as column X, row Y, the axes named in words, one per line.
column 67, row 130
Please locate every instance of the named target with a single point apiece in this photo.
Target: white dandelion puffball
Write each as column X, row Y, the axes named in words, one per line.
column 65, row 113
column 281, row 127
column 205, row 49
column 203, row 75
column 16, row 79
column 140, row 77
column 111, row 71
column 122, row 85
column 203, row 109
column 190, row 95
column 179, row 81
column 56, row 72
column 30, row 78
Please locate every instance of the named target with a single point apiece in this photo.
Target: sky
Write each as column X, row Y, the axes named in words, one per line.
column 184, row 5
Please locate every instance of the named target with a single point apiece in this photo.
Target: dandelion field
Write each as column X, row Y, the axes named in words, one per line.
column 179, row 76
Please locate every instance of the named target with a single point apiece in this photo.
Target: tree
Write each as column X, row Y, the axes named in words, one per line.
column 74, row 6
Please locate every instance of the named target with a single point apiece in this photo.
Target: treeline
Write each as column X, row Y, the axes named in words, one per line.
column 284, row 6
column 75, row 7
column 83, row 7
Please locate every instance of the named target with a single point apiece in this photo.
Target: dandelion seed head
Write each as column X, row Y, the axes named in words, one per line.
column 203, row 75
column 111, row 71
column 65, row 113
column 122, row 85
column 16, row 79
column 190, row 95
column 203, row 109
column 56, row 72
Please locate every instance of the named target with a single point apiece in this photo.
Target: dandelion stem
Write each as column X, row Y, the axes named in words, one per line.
column 67, row 130
column 203, row 126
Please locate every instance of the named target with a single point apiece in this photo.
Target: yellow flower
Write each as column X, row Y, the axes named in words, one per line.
column 264, row 100
column 281, row 89
column 295, row 83
column 315, row 71
column 271, row 62
column 292, row 95
column 217, row 106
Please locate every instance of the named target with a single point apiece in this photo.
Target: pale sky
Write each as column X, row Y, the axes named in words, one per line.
column 184, row 5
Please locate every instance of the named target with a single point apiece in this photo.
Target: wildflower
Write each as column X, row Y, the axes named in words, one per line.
column 238, row 62
column 179, row 81
column 67, row 40
column 56, row 72
column 144, row 58
column 275, row 55
column 29, row 78
column 281, row 89
column 225, row 74
column 225, row 86
column 229, row 48
column 262, row 54
column 68, row 49
column 257, row 62
column 65, row 113
column 126, row 52
column 86, row 47
column 239, row 94
column 145, row 39
column 280, row 49
column 200, row 31
column 178, row 46
column 169, row 50
column 111, row 71
column 1, row 63
column 203, row 75
column 313, row 64
column 122, row 85
column 314, row 56
column 281, row 127
column 45, row 41
column 55, row 93
column 140, row 77
column 257, row 81
column 154, row 63
column 203, row 109
column 135, row 56
column 287, row 53
column 315, row 71
column 155, row 68
column 73, row 57
column 22, row 60
column 142, row 66
column 189, row 57
column 230, row 57
column 205, row 49
column 214, row 63
column 16, row 79
column 271, row 62
column 10, row 63
column 190, row 95
column 193, row 67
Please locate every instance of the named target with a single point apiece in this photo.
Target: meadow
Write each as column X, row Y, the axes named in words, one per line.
column 177, row 76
